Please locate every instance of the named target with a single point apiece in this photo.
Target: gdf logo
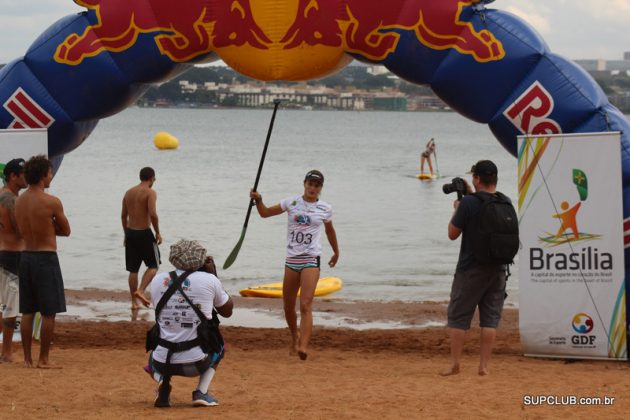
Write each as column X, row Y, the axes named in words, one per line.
column 583, row 324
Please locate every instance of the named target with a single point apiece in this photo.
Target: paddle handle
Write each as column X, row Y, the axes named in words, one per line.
column 262, row 159
column 232, row 257
column 264, row 153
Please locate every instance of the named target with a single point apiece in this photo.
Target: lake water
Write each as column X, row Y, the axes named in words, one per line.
column 391, row 227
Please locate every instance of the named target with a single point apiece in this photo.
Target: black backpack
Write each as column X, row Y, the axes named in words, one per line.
column 494, row 234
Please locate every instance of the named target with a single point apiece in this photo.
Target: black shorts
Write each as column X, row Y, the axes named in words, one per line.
column 140, row 246
column 41, row 284
column 10, row 261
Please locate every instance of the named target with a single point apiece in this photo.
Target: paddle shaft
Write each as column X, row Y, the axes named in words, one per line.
column 232, row 257
column 262, row 160
column 437, row 168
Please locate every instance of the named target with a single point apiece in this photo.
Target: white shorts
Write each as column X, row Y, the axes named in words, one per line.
column 9, row 294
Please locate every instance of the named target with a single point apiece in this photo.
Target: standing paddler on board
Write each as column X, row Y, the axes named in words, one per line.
column 306, row 216
column 426, row 156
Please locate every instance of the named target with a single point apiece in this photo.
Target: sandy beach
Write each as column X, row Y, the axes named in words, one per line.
column 371, row 373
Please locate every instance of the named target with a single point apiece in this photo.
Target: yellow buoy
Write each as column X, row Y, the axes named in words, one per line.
column 164, row 140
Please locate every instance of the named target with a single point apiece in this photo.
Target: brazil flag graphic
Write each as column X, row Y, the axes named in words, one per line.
column 580, row 181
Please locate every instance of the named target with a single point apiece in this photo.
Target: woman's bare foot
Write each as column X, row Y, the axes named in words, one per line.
column 295, row 344
column 453, row 370
column 6, row 359
column 484, row 372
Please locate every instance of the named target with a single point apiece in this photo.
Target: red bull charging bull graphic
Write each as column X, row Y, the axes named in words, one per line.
column 181, row 32
column 368, row 27
column 485, row 63
column 364, row 27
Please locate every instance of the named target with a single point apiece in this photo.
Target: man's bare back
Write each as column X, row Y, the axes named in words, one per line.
column 10, row 238
column 136, row 206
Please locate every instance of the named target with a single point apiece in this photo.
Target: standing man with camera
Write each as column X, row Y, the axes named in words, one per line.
column 480, row 276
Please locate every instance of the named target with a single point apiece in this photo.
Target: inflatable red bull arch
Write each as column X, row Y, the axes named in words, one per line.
column 486, row 64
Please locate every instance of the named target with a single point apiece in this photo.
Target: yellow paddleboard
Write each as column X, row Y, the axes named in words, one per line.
column 325, row 286
column 426, row 176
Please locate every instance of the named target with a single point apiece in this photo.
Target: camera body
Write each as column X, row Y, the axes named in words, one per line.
column 209, row 266
column 457, row 185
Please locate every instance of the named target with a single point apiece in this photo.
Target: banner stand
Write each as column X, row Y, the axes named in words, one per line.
column 572, row 298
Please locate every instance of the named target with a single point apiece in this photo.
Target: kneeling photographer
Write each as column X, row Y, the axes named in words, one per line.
column 488, row 224
column 186, row 340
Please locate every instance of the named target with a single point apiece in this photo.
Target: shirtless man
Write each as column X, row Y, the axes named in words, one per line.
column 139, row 212
column 11, row 246
column 40, row 219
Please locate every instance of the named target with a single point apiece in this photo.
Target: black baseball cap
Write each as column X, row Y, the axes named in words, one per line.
column 314, row 175
column 14, row 166
column 484, row 167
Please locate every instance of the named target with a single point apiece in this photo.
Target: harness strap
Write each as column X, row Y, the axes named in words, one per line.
column 173, row 347
column 178, row 347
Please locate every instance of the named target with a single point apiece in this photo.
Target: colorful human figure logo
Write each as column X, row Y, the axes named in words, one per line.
column 568, row 220
column 568, row 230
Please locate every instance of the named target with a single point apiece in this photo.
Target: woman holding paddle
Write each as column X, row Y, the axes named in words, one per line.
column 306, row 216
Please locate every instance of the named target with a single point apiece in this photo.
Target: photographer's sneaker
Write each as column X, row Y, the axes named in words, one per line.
column 163, row 395
column 199, row 399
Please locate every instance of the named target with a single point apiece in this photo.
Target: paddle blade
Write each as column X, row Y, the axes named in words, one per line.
column 232, row 257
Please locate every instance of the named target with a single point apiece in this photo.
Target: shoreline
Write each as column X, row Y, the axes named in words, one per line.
column 92, row 304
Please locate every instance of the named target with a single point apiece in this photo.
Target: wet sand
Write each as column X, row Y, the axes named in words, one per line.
column 350, row 373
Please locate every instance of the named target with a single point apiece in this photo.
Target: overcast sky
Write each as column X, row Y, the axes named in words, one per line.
column 573, row 28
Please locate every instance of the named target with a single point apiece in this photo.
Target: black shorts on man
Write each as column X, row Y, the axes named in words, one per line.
column 140, row 246
column 41, row 284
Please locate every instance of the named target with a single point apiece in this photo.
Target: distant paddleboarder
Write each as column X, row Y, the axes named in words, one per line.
column 306, row 215
column 426, row 156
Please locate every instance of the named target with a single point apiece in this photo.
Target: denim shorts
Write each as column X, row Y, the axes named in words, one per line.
column 482, row 287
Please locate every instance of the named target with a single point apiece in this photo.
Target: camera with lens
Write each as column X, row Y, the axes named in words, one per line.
column 457, row 185
column 208, row 266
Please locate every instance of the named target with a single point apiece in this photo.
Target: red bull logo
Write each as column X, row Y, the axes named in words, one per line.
column 366, row 27
column 186, row 30
column 285, row 34
column 530, row 112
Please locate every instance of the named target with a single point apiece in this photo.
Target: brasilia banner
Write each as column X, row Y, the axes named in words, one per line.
column 22, row 143
column 572, row 300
